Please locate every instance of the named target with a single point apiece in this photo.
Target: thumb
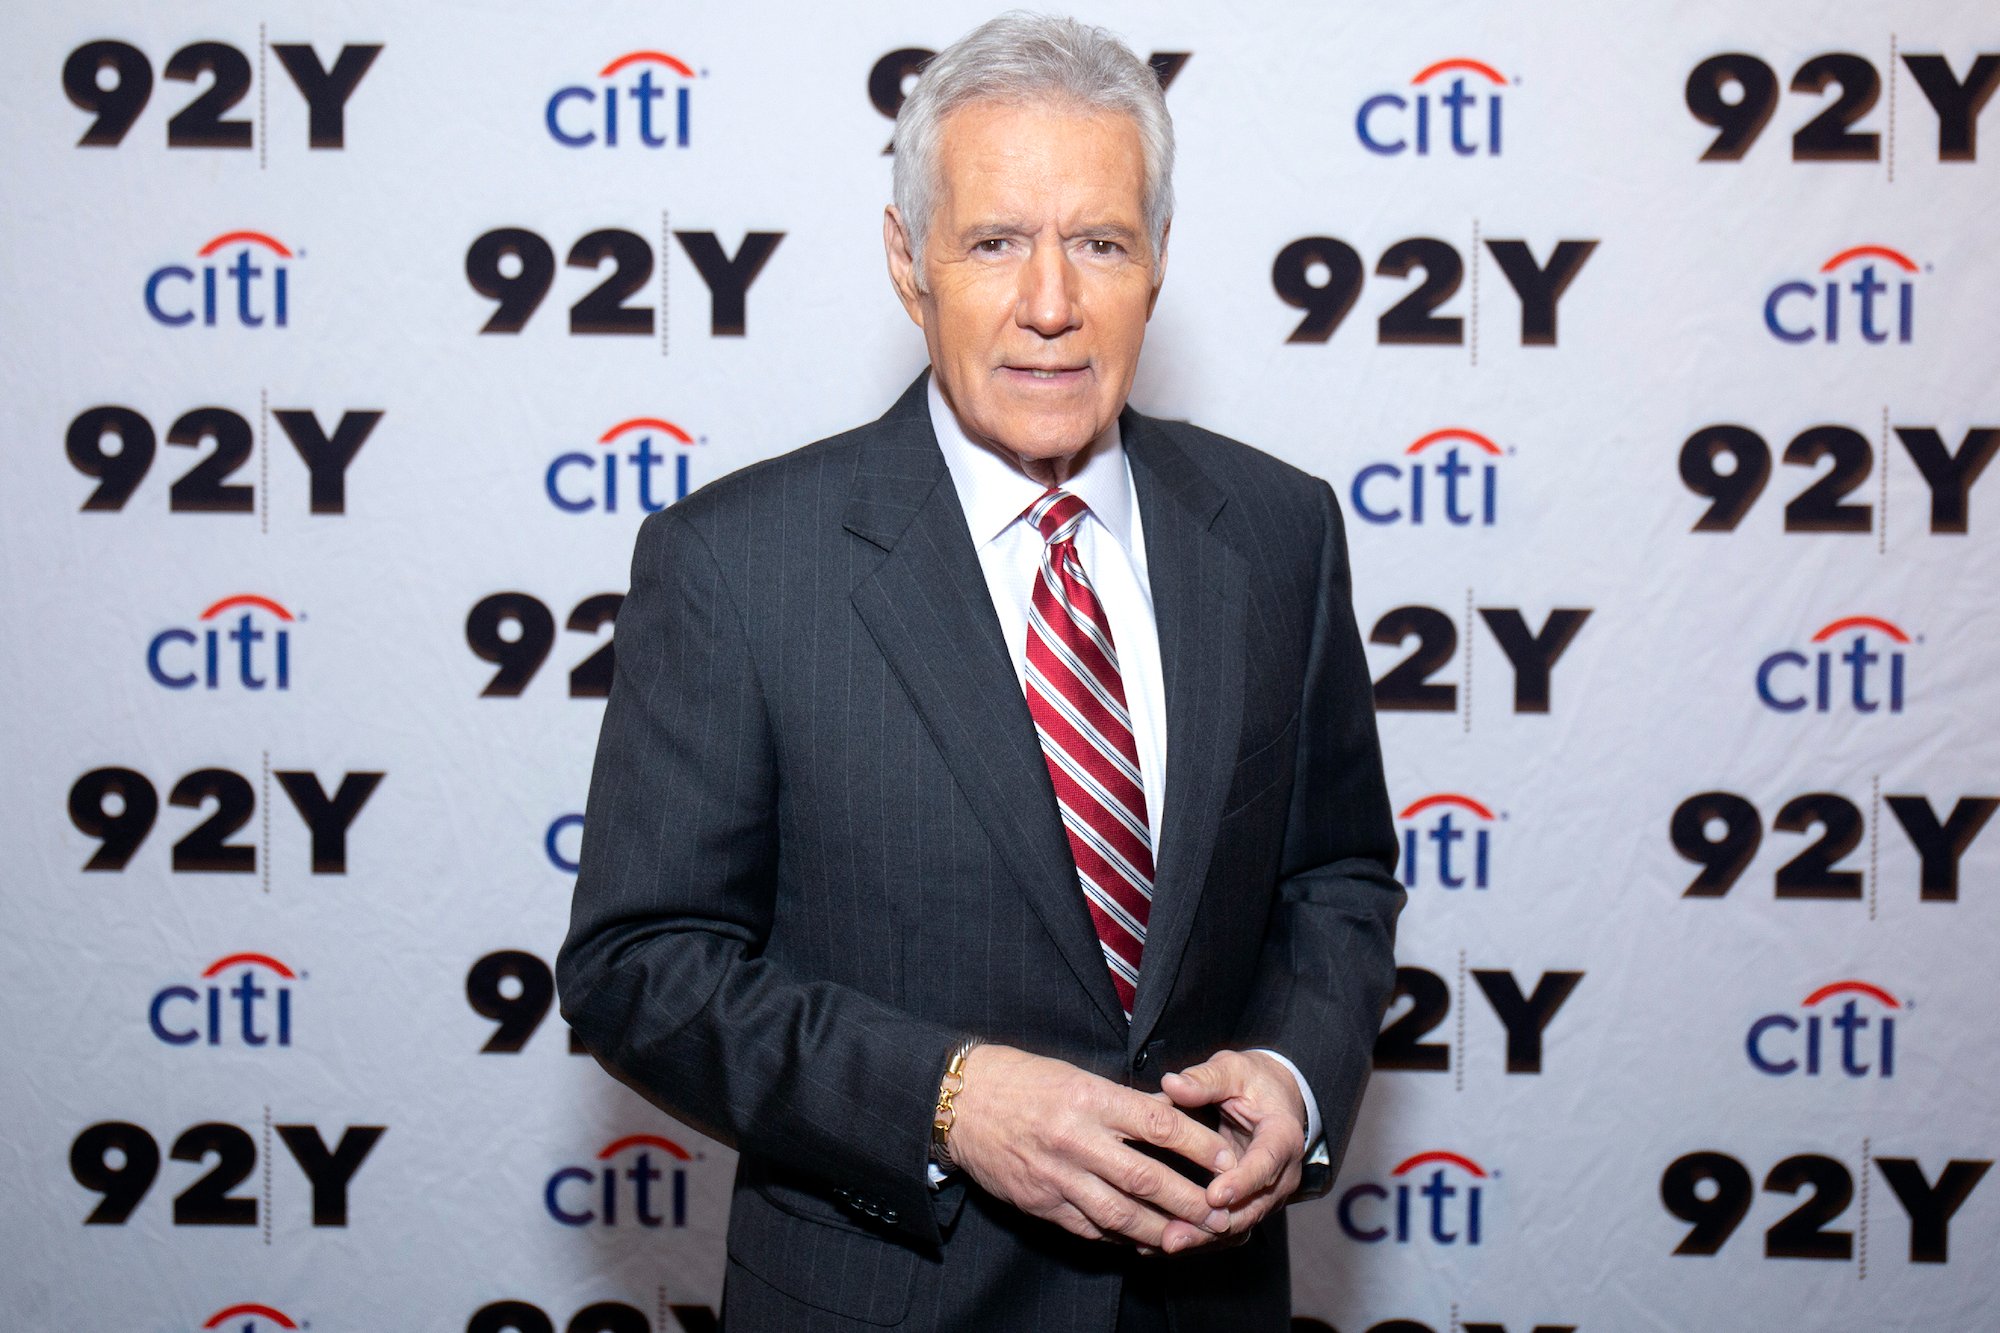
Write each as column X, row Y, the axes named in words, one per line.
column 1197, row 1085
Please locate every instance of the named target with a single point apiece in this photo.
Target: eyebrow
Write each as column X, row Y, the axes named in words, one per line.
column 1104, row 231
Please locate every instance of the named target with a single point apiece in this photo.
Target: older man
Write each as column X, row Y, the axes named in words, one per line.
column 967, row 773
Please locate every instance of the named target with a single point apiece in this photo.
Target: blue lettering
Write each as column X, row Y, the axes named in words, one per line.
column 160, row 1029
column 1368, row 140
column 245, row 637
column 160, row 640
column 1346, row 1211
column 1458, row 99
column 153, row 295
column 1771, row 663
column 1780, row 293
column 556, row 132
column 644, row 94
column 550, row 844
column 245, row 272
column 1437, row 1192
column 556, row 496
column 1753, row 1048
column 1451, row 470
column 1361, row 480
column 554, row 1205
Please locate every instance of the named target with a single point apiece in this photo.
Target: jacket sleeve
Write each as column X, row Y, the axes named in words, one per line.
column 1328, row 965
column 663, row 974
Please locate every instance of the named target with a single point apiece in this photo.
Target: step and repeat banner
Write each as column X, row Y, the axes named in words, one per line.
column 1650, row 350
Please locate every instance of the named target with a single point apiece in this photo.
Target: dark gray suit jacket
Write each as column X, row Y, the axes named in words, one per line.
column 823, row 847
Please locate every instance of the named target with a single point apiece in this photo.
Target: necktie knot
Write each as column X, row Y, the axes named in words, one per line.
column 1056, row 514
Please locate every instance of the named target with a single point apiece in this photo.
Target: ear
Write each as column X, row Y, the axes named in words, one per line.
column 902, row 267
column 1159, row 268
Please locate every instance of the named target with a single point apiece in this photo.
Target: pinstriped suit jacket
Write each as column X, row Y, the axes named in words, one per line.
column 823, row 846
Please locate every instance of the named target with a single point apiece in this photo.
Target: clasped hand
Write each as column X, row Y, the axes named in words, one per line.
column 1056, row 1142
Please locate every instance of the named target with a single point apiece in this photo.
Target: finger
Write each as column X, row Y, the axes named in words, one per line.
column 1141, row 1177
column 1117, row 1214
column 1067, row 1216
column 1277, row 1144
column 1140, row 1117
column 1178, row 1237
column 1245, row 1217
column 1213, row 1080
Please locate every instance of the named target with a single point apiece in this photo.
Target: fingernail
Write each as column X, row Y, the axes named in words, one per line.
column 1218, row 1221
column 1225, row 1160
column 1228, row 1196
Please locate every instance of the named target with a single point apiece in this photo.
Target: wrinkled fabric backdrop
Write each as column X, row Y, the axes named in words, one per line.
column 1649, row 349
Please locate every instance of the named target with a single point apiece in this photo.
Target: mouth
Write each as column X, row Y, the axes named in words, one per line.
column 1046, row 374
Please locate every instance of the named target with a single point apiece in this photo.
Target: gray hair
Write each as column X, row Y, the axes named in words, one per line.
column 1030, row 58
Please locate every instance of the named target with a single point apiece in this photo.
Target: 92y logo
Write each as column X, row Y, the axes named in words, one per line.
column 205, row 488
column 114, row 80
column 1832, row 136
column 1721, row 832
column 515, row 268
column 118, row 807
column 124, row 1182
column 1711, row 1191
column 1323, row 276
column 1823, row 506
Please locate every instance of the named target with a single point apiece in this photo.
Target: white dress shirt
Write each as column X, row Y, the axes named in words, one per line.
column 1111, row 543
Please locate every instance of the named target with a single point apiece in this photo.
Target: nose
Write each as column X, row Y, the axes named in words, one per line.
column 1047, row 299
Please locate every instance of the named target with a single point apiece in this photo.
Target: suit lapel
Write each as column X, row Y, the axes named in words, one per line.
column 1198, row 604
column 930, row 613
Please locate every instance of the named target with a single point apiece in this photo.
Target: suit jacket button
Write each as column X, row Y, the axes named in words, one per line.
column 1141, row 1060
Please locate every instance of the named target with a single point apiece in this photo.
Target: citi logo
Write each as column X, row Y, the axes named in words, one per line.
column 256, row 658
column 249, row 1319
column 1455, row 842
column 1460, row 493
column 1775, row 1046
column 256, row 1015
column 581, row 116
column 177, row 295
column 583, row 483
column 1808, row 311
column 581, row 1196
column 1400, row 1209
column 1385, row 123
column 1828, row 679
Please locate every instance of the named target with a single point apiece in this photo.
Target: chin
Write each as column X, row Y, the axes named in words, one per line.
column 1057, row 438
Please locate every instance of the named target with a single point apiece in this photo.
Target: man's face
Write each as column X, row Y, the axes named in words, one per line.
column 1038, row 273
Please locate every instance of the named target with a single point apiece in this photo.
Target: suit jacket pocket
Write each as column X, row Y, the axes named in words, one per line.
column 1261, row 769
column 786, row 1230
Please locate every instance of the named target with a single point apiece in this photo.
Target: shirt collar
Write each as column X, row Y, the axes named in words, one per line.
column 994, row 491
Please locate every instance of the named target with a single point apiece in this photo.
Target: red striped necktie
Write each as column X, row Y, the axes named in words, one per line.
column 1077, row 699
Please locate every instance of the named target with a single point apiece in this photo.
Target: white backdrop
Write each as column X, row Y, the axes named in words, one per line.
column 1786, row 1075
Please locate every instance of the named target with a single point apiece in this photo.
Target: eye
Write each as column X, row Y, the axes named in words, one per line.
column 991, row 245
column 1103, row 248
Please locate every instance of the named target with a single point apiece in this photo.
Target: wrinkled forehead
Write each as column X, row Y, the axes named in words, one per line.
column 1046, row 143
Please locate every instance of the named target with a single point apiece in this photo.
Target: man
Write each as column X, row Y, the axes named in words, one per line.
column 1018, row 718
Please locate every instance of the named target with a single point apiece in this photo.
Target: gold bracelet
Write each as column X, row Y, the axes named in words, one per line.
column 952, row 1084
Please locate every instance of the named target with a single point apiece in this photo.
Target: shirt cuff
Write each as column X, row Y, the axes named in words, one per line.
column 1315, row 1144
column 938, row 1175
